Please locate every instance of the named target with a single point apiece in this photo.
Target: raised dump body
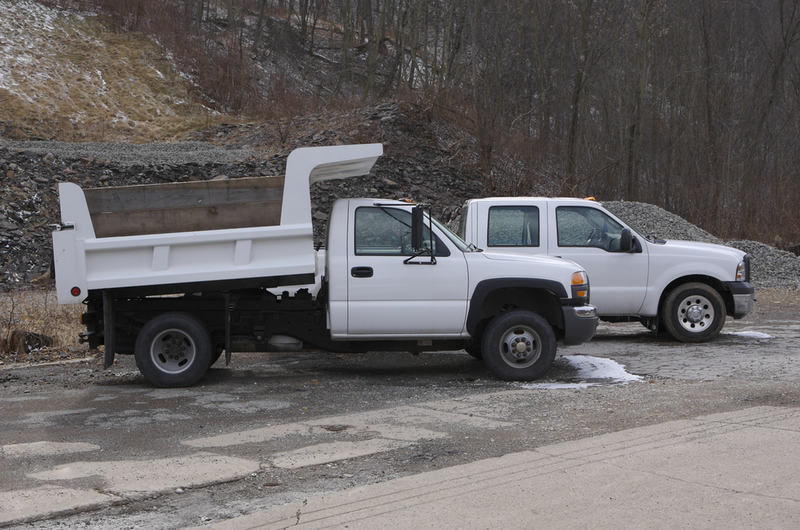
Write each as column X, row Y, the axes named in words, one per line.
column 167, row 238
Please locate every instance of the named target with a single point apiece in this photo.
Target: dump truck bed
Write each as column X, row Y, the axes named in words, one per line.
column 182, row 237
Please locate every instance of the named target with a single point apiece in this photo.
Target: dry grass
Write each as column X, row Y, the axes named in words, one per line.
column 37, row 311
column 85, row 83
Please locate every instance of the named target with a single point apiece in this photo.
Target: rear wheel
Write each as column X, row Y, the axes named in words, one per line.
column 173, row 350
column 693, row 312
column 519, row 345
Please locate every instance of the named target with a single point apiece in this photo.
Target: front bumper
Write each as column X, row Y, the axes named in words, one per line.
column 743, row 300
column 580, row 323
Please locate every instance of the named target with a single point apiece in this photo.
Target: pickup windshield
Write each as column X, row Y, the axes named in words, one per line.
column 457, row 241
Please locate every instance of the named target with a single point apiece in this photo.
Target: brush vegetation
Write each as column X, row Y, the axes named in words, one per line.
column 38, row 312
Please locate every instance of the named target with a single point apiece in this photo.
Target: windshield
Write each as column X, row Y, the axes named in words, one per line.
column 638, row 232
column 457, row 241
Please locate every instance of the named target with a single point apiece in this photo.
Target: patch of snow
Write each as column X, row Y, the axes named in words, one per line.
column 591, row 371
column 157, row 71
column 751, row 335
column 104, row 86
column 559, row 386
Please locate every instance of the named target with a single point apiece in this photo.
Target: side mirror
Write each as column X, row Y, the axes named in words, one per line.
column 625, row 240
column 417, row 228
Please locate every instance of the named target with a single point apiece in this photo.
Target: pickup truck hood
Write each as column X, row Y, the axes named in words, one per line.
column 697, row 249
column 542, row 259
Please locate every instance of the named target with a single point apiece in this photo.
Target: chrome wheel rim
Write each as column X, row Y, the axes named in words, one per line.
column 520, row 347
column 695, row 313
column 172, row 351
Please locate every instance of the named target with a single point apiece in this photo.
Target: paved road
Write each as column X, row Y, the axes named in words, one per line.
column 81, row 446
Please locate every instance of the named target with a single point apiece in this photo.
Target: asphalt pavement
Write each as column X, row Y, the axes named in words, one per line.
column 705, row 437
column 731, row 470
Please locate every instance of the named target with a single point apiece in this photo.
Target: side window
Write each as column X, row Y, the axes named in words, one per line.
column 581, row 226
column 383, row 231
column 513, row 226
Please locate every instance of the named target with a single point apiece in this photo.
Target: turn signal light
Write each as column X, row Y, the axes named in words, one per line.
column 579, row 278
column 75, row 291
column 580, row 286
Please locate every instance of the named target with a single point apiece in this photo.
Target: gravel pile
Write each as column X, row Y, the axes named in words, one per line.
column 770, row 268
column 650, row 220
column 127, row 155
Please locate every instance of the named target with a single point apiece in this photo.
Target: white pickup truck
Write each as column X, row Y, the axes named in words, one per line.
column 175, row 274
column 684, row 287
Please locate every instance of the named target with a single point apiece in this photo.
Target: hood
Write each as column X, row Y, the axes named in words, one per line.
column 532, row 259
column 696, row 248
column 503, row 256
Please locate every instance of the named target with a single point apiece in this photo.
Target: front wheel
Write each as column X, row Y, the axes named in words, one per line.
column 173, row 350
column 519, row 346
column 693, row 312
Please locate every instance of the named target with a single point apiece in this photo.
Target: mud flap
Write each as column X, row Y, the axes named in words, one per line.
column 228, row 311
column 108, row 329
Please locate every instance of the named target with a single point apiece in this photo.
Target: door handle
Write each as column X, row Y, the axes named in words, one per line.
column 361, row 272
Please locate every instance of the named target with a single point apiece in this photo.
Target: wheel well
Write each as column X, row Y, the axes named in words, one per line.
column 539, row 301
column 712, row 282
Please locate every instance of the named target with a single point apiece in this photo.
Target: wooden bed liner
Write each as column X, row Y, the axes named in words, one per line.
column 185, row 206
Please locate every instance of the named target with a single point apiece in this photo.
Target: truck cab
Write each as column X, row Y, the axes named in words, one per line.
column 381, row 285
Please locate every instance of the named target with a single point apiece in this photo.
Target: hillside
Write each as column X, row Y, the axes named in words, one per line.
column 66, row 77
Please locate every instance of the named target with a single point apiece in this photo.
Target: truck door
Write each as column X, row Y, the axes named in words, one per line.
column 591, row 238
column 388, row 296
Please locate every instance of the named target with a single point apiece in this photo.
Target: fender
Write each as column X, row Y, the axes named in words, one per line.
column 486, row 287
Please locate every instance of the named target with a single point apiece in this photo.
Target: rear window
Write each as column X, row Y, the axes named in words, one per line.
column 513, row 226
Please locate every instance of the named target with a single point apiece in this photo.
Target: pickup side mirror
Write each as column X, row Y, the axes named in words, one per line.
column 417, row 228
column 625, row 240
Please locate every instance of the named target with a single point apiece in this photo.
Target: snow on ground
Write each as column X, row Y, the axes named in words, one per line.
column 590, row 371
column 751, row 335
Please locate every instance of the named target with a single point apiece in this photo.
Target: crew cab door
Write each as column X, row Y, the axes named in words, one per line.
column 389, row 295
column 591, row 238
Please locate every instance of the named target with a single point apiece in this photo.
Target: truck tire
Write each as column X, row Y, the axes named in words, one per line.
column 173, row 350
column 693, row 312
column 519, row 345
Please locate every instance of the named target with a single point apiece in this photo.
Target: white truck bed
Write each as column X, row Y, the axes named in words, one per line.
column 205, row 232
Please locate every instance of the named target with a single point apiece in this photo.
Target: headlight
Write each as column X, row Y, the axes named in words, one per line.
column 741, row 272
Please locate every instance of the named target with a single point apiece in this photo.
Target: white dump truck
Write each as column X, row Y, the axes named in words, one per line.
column 684, row 287
column 177, row 274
